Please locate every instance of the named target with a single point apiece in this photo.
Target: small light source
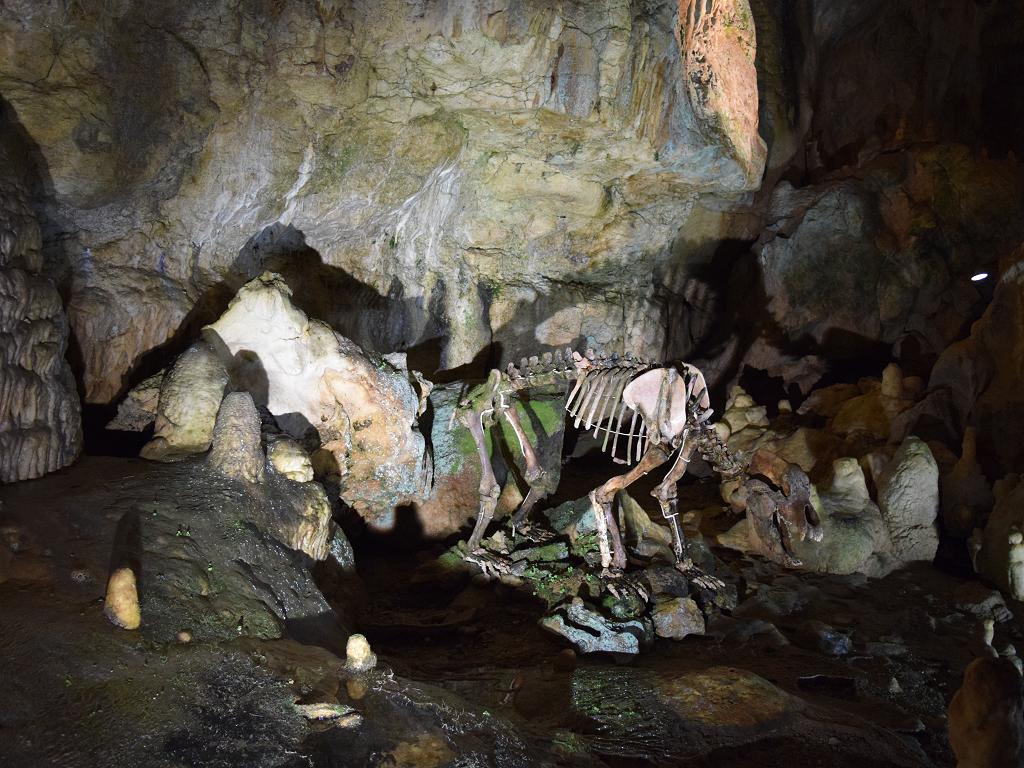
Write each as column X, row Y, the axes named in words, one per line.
column 979, row 277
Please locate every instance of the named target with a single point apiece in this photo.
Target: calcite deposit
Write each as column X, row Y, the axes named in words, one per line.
column 362, row 409
column 40, row 425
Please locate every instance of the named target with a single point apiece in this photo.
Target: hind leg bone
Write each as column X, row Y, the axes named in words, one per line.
column 489, row 489
column 535, row 475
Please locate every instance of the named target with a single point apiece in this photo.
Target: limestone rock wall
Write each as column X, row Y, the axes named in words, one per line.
column 983, row 372
column 465, row 161
column 40, row 423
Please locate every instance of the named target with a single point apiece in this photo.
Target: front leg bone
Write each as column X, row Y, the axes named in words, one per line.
column 601, row 500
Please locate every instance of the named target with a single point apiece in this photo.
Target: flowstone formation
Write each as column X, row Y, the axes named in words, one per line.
column 40, row 425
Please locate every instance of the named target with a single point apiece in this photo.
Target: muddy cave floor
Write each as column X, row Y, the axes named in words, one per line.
column 465, row 674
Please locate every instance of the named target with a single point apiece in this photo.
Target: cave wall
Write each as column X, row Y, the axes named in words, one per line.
column 747, row 184
column 466, row 160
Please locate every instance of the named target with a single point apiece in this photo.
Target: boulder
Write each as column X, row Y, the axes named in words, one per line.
column 677, row 617
column 986, row 716
column 591, row 632
column 362, row 408
column 190, row 397
column 138, row 408
column 641, row 535
column 290, row 459
column 236, row 450
column 302, row 520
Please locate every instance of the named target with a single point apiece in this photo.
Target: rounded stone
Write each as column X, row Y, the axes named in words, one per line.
column 121, row 606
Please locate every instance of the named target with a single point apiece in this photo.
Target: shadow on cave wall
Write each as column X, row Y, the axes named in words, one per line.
column 738, row 315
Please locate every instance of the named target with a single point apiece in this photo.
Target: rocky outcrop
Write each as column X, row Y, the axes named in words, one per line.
column 1000, row 558
column 982, row 373
column 966, row 495
column 363, row 409
column 190, row 398
column 138, row 409
column 908, row 497
column 40, row 422
column 986, row 715
column 290, row 459
column 843, row 263
column 117, row 313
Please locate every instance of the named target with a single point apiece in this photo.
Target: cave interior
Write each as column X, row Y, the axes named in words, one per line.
column 511, row 383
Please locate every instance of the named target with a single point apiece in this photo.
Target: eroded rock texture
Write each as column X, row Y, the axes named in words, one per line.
column 40, row 425
column 475, row 169
column 190, row 397
column 362, row 408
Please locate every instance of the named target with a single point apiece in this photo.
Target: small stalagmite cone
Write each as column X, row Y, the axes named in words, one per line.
column 359, row 657
column 121, row 606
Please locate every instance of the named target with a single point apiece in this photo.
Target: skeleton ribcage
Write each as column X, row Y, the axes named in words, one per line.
column 596, row 403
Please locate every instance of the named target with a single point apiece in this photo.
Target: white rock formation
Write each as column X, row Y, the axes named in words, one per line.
column 40, row 422
column 363, row 409
column 908, row 496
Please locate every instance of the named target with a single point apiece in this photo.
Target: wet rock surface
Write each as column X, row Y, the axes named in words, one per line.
column 464, row 671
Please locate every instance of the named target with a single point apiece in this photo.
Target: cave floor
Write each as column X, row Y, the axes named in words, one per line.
column 466, row 676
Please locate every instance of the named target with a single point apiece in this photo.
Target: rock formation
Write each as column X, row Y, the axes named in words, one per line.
column 40, row 424
column 908, row 497
column 480, row 171
column 190, row 397
column 363, row 409
column 121, row 604
column 1000, row 546
column 986, row 716
column 236, row 451
column 290, row 459
column 983, row 372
